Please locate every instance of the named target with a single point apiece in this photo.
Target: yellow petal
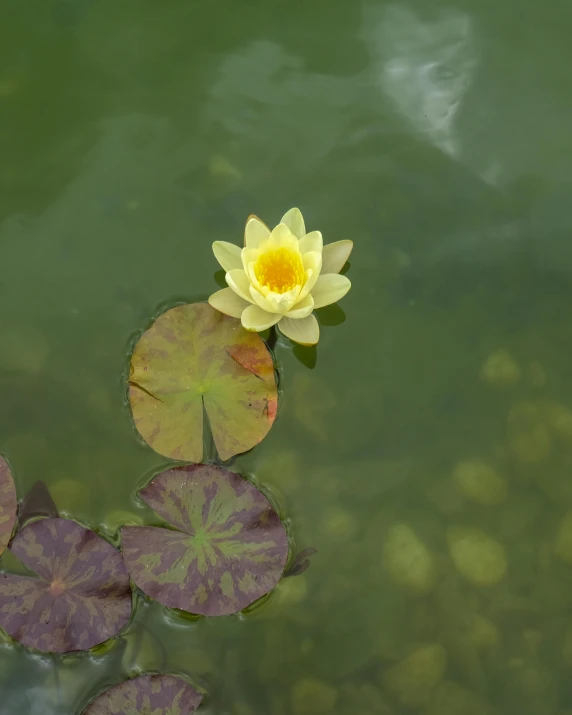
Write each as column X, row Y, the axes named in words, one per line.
column 248, row 257
column 275, row 302
column 295, row 222
column 305, row 331
column 278, row 239
column 227, row 254
column 330, row 288
column 256, row 319
column 281, row 237
column 302, row 309
column 311, row 242
column 312, row 265
column 228, row 302
column 238, row 281
column 261, row 301
column 254, row 283
column 335, row 255
column 255, row 231
column 313, row 260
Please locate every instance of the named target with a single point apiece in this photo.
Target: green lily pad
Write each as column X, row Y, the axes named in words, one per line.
column 228, row 550
column 81, row 596
column 194, row 359
column 8, row 504
column 147, row 694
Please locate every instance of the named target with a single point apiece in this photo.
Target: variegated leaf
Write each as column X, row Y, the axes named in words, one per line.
column 228, row 550
column 147, row 695
column 8, row 504
column 81, row 596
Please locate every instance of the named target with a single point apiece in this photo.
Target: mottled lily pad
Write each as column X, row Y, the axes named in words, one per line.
column 195, row 359
column 228, row 550
column 147, row 695
column 81, row 596
column 8, row 504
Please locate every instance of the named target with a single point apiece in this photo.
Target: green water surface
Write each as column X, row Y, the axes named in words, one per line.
column 437, row 136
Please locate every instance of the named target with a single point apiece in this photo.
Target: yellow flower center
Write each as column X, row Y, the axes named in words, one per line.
column 279, row 270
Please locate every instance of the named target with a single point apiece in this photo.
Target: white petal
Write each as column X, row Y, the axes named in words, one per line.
column 330, row 288
column 256, row 319
column 255, row 231
column 305, row 331
column 312, row 266
column 227, row 254
column 295, row 222
column 238, row 281
column 335, row 255
column 302, row 309
column 311, row 242
column 227, row 302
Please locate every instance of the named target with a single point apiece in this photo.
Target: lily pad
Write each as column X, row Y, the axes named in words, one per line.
column 81, row 596
column 152, row 694
column 8, row 504
column 228, row 550
column 194, row 359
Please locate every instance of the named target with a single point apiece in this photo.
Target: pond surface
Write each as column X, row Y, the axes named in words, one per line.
column 436, row 135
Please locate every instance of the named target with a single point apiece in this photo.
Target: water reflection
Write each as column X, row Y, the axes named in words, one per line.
column 425, row 66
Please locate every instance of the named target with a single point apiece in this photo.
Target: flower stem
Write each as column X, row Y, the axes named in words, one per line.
column 272, row 338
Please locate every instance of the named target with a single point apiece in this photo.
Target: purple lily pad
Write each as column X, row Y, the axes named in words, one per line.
column 153, row 694
column 194, row 358
column 81, row 596
column 228, row 550
column 8, row 504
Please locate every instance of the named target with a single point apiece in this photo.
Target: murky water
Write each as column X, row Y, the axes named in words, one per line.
column 437, row 137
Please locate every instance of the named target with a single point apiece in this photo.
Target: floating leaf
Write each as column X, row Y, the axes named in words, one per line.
column 194, row 356
column 230, row 547
column 8, row 504
column 82, row 594
column 152, row 694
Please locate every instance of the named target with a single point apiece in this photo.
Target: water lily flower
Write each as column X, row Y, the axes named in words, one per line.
column 280, row 276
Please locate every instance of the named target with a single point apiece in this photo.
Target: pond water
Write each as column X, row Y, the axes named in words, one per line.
column 436, row 135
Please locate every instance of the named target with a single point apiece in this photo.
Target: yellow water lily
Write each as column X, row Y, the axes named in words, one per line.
column 280, row 276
